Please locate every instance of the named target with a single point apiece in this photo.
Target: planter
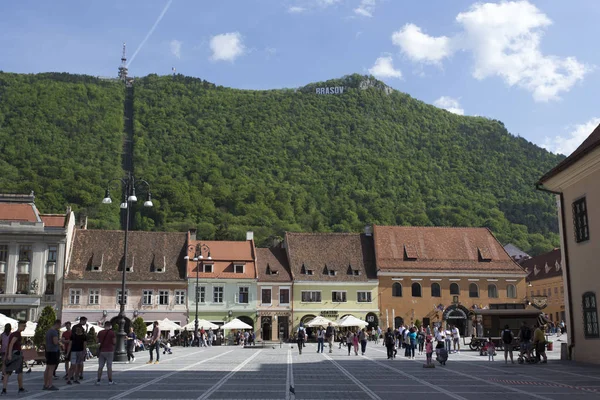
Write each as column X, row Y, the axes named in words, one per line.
column 549, row 346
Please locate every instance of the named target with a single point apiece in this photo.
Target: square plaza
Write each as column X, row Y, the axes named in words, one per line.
column 275, row 372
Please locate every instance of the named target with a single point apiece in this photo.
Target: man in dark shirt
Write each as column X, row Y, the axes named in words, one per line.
column 66, row 344
column 78, row 350
column 131, row 339
column 14, row 358
column 52, row 355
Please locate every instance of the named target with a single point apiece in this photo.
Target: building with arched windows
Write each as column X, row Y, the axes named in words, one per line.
column 438, row 274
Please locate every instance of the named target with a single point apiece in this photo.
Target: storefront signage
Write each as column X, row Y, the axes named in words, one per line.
column 330, row 90
column 25, row 301
column 329, row 314
column 455, row 313
column 539, row 302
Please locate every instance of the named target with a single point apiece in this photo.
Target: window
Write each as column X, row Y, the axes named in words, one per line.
column 436, row 290
column 218, row 294
column 74, row 296
column 50, row 279
column 549, row 292
column 163, row 297
column 562, row 290
column 94, row 296
column 200, row 294
column 473, row 290
column 23, row 284
column 416, row 289
column 147, row 297
column 338, row 296
column 243, row 295
column 265, row 297
column 3, row 253
column 532, row 293
column 511, row 291
column 492, row 291
column 363, row 297
column 580, row 220
column 590, row 315
column 51, row 253
column 2, row 283
column 24, row 253
column 555, row 290
column 284, row 296
column 179, row 297
column 544, row 292
column 311, row 296
column 238, row 268
column 454, row 289
column 397, row 290
column 208, row 268
column 119, row 295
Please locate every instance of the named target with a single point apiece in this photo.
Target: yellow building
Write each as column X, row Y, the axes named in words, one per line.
column 575, row 181
column 546, row 284
column 334, row 275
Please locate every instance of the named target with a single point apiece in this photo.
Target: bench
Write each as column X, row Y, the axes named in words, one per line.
column 35, row 357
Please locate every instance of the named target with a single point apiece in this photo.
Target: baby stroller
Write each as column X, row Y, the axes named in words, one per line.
column 484, row 350
column 441, row 355
column 525, row 356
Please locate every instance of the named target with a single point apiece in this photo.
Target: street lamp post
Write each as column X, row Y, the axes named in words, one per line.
column 199, row 258
column 128, row 184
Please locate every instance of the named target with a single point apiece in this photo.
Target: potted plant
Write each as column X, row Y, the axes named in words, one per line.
column 549, row 345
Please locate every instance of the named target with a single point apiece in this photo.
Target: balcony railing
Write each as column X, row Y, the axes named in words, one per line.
column 23, row 267
column 50, row 268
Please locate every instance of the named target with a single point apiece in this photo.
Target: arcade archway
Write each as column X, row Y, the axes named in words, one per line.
column 457, row 315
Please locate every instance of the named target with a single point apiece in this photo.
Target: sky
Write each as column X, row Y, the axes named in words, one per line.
column 531, row 64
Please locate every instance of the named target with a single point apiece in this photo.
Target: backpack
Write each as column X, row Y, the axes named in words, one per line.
column 507, row 336
column 389, row 339
column 526, row 334
column 301, row 334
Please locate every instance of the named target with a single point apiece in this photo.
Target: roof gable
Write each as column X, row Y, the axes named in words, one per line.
column 551, row 262
column 272, row 265
column 225, row 256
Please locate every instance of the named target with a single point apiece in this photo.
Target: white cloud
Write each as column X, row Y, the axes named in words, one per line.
column 504, row 39
column 296, row 10
column 226, row 46
column 175, row 46
column 419, row 46
column 566, row 145
column 449, row 104
column 327, row 3
column 365, row 8
column 384, row 68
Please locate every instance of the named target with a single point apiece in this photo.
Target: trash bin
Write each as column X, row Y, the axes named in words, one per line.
column 550, row 346
column 564, row 351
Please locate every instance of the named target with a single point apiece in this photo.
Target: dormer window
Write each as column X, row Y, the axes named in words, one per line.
column 96, row 268
column 160, row 267
column 410, row 252
column 547, row 268
column 557, row 266
column 305, row 271
column 325, row 270
column 332, row 273
column 356, row 272
column 208, row 268
column 94, row 265
column 535, row 270
column 238, row 268
column 271, row 271
column 484, row 254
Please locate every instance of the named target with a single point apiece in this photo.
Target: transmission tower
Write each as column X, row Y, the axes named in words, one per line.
column 123, row 68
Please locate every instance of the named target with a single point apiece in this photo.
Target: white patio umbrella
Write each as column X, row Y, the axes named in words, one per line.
column 7, row 320
column 29, row 329
column 351, row 320
column 320, row 321
column 202, row 323
column 165, row 325
column 97, row 328
column 236, row 324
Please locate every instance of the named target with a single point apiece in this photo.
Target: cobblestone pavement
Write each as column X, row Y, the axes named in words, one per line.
column 281, row 373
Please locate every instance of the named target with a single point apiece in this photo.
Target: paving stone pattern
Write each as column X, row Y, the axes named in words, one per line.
column 282, row 373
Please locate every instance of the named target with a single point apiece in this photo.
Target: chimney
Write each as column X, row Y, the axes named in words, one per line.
column 249, row 235
column 192, row 234
column 368, row 230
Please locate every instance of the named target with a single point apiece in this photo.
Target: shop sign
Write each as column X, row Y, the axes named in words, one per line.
column 329, row 314
column 23, row 301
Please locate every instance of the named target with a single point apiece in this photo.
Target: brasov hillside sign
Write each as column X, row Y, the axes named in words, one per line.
column 330, row 90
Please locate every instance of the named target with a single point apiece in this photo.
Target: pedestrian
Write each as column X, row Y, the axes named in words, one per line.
column 4, row 345
column 78, row 350
column 421, row 340
column 448, row 339
column 455, row 338
column 65, row 341
column 320, row 339
column 429, row 350
column 439, row 338
column 362, row 337
column 390, row 342
column 14, row 359
column 329, row 335
column 301, row 337
column 155, row 344
column 52, row 355
column 131, row 339
column 355, row 342
column 507, row 339
column 491, row 349
column 185, row 337
column 412, row 337
column 107, row 341
column 210, row 337
column 539, row 341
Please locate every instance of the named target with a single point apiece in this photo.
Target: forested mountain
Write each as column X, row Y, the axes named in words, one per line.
column 227, row 160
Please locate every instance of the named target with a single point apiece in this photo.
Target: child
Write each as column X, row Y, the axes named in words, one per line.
column 491, row 349
column 429, row 350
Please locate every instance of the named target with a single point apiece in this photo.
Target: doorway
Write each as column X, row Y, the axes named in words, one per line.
column 284, row 328
column 266, row 327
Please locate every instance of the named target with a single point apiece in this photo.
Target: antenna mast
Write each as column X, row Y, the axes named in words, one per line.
column 123, row 68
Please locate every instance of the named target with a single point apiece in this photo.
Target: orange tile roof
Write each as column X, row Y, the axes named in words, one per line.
column 224, row 254
column 17, row 212
column 54, row 220
column 408, row 248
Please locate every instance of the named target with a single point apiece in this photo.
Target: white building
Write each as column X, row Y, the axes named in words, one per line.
column 33, row 249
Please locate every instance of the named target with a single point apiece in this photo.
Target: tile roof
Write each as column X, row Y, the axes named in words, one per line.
column 547, row 265
column 147, row 252
column 440, row 249
column 272, row 265
column 586, row 147
column 18, row 212
column 54, row 220
column 335, row 257
column 225, row 254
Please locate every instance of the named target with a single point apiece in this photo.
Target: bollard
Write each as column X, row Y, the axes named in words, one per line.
column 564, row 352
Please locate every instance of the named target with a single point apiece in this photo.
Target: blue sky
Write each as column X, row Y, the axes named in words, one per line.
column 532, row 65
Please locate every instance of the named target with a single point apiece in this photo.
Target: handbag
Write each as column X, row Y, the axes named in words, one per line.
column 97, row 352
